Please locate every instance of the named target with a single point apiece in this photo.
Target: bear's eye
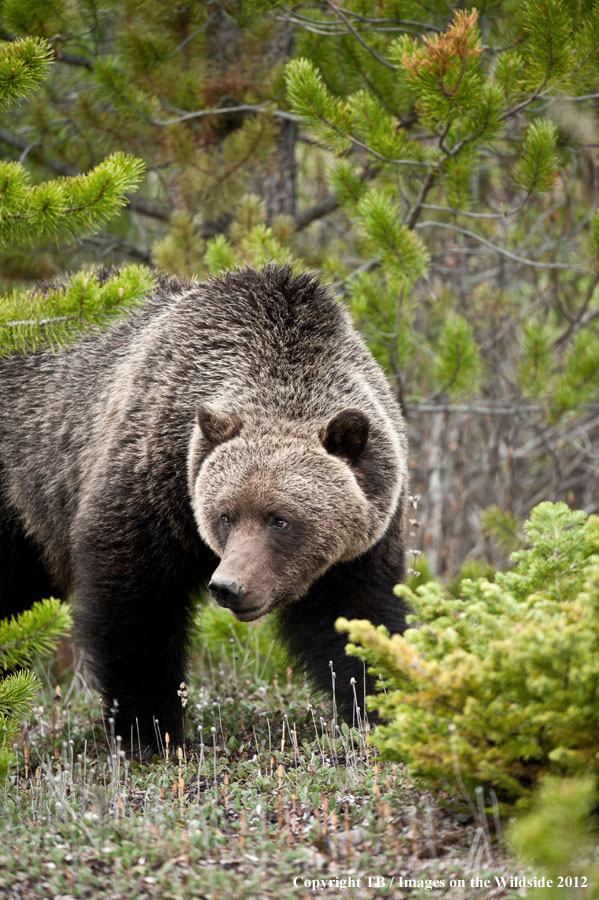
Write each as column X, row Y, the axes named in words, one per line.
column 279, row 524
column 225, row 521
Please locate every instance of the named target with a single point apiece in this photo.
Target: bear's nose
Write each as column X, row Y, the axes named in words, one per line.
column 226, row 592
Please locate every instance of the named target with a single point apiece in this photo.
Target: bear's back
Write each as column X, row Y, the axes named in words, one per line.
column 267, row 344
column 280, row 341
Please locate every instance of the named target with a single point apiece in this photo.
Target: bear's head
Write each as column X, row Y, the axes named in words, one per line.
column 279, row 507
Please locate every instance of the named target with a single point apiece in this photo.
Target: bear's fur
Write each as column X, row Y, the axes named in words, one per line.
column 240, row 419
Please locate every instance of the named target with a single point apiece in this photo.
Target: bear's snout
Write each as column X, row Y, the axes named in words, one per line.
column 243, row 580
column 226, row 592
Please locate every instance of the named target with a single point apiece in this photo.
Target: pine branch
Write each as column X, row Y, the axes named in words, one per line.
column 26, row 146
column 108, row 243
column 16, row 695
column 227, row 110
column 583, row 318
column 332, row 29
column 314, row 26
column 65, row 206
column 32, row 632
column 538, row 165
column 57, row 316
column 331, row 117
column 72, row 59
column 138, row 204
column 399, row 23
column 417, row 209
column 452, row 210
column 24, row 64
column 330, row 203
column 400, row 248
column 539, row 94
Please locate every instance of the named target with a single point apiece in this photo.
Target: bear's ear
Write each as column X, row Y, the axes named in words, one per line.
column 346, row 434
column 217, row 426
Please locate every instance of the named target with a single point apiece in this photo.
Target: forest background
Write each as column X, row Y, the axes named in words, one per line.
column 436, row 165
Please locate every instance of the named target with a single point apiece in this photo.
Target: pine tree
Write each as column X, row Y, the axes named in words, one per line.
column 499, row 682
column 193, row 89
column 460, row 112
column 456, row 149
column 65, row 208
column 444, row 180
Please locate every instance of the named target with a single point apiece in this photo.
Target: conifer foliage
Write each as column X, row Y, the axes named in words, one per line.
column 193, row 89
column 456, row 141
column 453, row 104
column 64, row 208
column 497, row 687
column 23, row 638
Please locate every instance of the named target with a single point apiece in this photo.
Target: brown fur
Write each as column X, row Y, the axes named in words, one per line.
column 249, row 397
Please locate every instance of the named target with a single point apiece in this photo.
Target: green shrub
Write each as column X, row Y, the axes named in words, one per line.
column 33, row 633
column 499, row 686
column 559, row 838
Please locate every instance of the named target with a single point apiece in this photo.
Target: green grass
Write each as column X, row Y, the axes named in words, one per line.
column 266, row 791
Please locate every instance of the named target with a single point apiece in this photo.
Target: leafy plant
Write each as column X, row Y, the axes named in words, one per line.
column 66, row 208
column 498, row 686
column 31, row 634
column 559, row 836
column 54, row 315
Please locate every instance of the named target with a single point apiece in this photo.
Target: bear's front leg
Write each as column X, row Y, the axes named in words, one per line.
column 359, row 589
column 23, row 576
column 132, row 616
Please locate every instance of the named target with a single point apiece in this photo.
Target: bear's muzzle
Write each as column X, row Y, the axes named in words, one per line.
column 226, row 593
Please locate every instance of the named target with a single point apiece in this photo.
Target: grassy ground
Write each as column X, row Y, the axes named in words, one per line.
column 271, row 798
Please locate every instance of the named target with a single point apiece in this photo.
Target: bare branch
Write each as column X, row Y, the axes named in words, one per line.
column 73, row 59
column 318, row 211
column 481, row 410
column 319, row 26
column 381, row 59
column 105, row 243
column 583, row 318
column 470, row 215
column 409, row 23
column 501, row 251
column 225, row 110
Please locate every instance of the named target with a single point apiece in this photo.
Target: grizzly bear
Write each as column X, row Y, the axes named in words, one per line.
column 234, row 433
